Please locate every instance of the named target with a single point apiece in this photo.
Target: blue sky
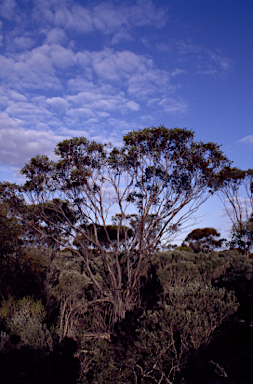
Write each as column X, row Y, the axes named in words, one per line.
column 102, row 68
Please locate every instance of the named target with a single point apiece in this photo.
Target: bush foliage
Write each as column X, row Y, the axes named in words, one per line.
column 87, row 296
column 184, row 299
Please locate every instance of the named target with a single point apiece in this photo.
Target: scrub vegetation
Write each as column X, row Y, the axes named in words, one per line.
column 90, row 290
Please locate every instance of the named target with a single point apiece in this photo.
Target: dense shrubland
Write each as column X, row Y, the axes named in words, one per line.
column 87, row 294
column 184, row 299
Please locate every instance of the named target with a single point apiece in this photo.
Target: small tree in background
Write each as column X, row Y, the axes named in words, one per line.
column 235, row 189
column 203, row 240
column 242, row 235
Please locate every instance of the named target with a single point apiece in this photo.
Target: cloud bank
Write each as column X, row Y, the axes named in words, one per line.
column 74, row 68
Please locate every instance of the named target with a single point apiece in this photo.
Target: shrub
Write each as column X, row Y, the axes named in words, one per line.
column 24, row 319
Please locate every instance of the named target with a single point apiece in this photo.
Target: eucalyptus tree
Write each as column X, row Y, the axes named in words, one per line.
column 242, row 235
column 235, row 189
column 147, row 189
column 10, row 232
column 203, row 240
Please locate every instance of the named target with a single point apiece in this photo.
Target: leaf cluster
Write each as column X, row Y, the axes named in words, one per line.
column 203, row 240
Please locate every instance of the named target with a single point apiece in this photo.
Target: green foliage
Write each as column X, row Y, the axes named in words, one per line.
column 185, row 297
column 119, row 310
column 10, row 232
column 235, row 188
column 108, row 235
column 71, row 291
column 23, row 273
column 160, row 174
column 21, row 269
column 25, row 319
column 242, row 235
column 154, row 344
column 238, row 278
column 203, row 240
column 230, row 177
column 184, row 321
column 178, row 268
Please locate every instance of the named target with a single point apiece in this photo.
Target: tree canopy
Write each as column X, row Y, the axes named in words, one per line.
column 235, row 188
column 203, row 240
column 147, row 189
column 10, row 232
column 242, row 235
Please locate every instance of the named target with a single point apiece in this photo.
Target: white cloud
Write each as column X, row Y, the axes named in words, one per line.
column 77, row 18
column 7, row 67
column 179, row 47
column 61, row 58
column 146, row 13
column 24, row 42
column 18, row 145
column 122, row 35
column 103, row 114
column 98, row 101
column 133, row 106
column 26, row 110
column 108, row 18
column 63, row 74
column 247, row 140
column 17, row 96
column 42, row 14
column 137, row 72
column 173, row 105
column 201, row 59
column 56, row 36
column 177, row 71
column 97, row 88
column 220, row 59
column 7, row 9
column 120, row 66
column 58, row 103
column 80, row 113
column 35, row 69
